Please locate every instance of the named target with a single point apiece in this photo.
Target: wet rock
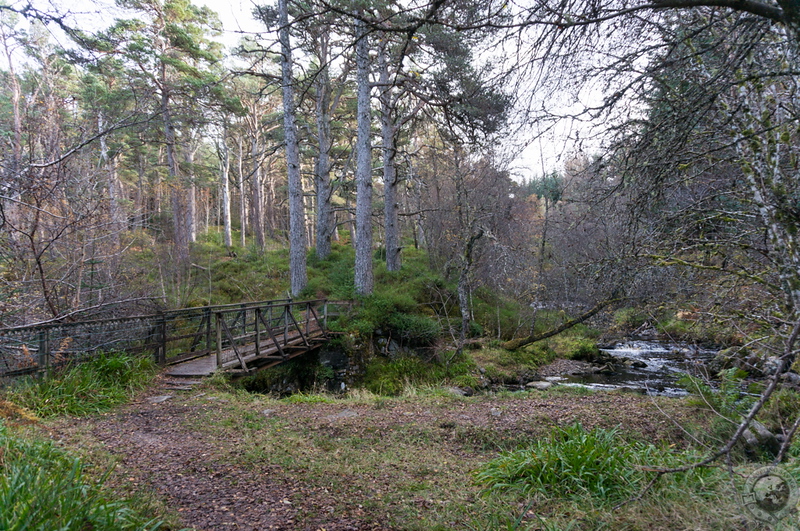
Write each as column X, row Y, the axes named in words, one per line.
column 541, row 386
column 632, row 390
column 740, row 358
column 771, row 365
column 606, row 369
column 791, row 380
column 393, row 349
column 792, row 377
column 757, row 436
column 646, row 331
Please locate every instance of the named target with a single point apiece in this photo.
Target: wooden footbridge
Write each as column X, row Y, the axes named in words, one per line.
column 193, row 342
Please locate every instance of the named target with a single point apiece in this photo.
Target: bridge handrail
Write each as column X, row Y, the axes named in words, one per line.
column 170, row 335
column 165, row 313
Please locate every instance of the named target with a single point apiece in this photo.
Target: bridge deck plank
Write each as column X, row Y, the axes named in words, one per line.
column 206, row 365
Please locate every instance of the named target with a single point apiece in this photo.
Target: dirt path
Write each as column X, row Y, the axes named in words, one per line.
column 157, row 453
column 163, row 447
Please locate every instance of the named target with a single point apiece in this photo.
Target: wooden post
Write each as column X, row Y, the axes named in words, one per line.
column 286, row 322
column 325, row 315
column 161, row 351
column 257, row 317
column 207, row 317
column 44, row 351
column 218, row 322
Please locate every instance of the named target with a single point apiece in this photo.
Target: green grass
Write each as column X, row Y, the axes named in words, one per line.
column 406, row 472
column 572, row 462
column 391, row 377
column 303, row 398
column 44, row 488
column 574, row 347
column 106, row 380
column 500, row 365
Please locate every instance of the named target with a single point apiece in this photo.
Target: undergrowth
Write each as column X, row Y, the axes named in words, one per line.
column 575, row 463
column 391, row 377
column 42, row 487
column 96, row 385
column 725, row 404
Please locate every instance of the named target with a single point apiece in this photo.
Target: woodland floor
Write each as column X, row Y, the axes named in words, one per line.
column 219, row 460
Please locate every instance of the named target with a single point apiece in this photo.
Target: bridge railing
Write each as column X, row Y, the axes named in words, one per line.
column 266, row 330
column 170, row 336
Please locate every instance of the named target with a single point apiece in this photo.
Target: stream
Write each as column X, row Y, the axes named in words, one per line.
column 662, row 364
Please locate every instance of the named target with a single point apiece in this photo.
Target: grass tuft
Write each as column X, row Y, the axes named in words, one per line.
column 572, row 462
column 598, row 468
column 93, row 386
column 41, row 487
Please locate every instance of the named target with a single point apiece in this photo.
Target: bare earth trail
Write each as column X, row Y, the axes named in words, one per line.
column 191, row 450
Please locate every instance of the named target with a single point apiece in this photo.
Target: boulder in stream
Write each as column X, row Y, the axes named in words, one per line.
column 541, row 386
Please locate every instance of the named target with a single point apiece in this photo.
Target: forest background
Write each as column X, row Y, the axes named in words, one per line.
column 387, row 127
column 364, row 150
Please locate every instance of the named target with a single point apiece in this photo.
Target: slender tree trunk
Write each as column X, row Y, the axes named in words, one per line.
column 178, row 199
column 256, row 206
column 270, row 207
column 297, row 228
column 463, row 286
column 158, row 183
column 419, row 220
column 11, row 177
column 391, row 223
column 363, row 265
column 140, row 205
column 225, row 188
column 325, row 221
column 108, row 165
column 242, row 196
column 540, row 285
column 191, row 200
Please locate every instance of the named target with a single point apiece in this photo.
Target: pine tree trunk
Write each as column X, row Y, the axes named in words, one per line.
column 242, row 197
column 363, row 265
column 225, row 165
column 256, row 203
column 191, row 200
column 178, row 199
column 325, row 221
column 297, row 228
column 391, row 224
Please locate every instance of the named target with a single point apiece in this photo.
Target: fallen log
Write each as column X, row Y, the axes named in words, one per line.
column 521, row 342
